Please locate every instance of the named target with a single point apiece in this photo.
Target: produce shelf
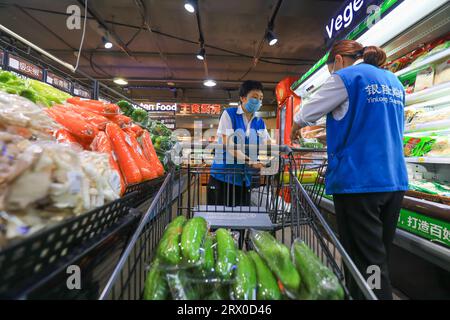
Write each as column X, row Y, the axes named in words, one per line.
column 428, row 126
column 434, row 92
column 430, row 60
column 428, row 160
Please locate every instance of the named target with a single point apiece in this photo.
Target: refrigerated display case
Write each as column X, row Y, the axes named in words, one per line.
column 288, row 105
column 415, row 36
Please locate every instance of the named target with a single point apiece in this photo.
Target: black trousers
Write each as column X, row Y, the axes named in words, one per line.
column 226, row 194
column 366, row 225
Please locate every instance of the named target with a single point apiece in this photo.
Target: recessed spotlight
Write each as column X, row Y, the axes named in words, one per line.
column 120, row 81
column 209, row 83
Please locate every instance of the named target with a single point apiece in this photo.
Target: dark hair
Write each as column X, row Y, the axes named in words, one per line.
column 248, row 86
column 371, row 55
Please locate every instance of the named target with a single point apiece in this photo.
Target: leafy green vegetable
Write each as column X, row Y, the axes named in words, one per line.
column 126, row 107
column 160, row 129
column 139, row 115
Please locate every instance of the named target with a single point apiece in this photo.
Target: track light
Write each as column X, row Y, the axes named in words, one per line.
column 209, row 83
column 108, row 44
column 189, row 6
column 271, row 37
column 201, row 54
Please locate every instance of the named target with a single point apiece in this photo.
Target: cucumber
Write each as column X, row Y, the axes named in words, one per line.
column 318, row 282
column 169, row 246
column 267, row 284
column 181, row 285
column 278, row 258
column 194, row 231
column 156, row 287
column 208, row 262
column 244, row 287
column 226, row 254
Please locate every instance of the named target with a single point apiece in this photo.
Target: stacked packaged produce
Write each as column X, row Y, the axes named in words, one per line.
column 193, row 263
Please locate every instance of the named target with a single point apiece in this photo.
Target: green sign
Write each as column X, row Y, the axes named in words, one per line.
column 360, row 29
column 424, row 226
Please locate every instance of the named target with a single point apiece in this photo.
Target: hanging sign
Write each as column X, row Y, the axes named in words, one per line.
column 199, row 108
column 159, row 107
column 25, row 67
column 58, row 82
column 81, row 92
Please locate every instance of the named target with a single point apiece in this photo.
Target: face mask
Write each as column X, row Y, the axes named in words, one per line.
column 253, row 105
column 334, row 67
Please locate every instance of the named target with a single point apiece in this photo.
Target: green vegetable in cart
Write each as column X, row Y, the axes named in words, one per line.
column 169, row 247
column 182, row 285
column 208, row 261
column 318, row 282
column 226, row 254
column 194, row 232
column 244, row 287
column 126, row 107
column 156, row 287
column 267, row 283
column 278, row 258
column 165, row 143
column 139, row 115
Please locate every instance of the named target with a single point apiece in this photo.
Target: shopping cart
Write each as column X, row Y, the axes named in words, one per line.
column 265, row 209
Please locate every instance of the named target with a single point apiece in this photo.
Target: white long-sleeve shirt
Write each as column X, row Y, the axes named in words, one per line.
column 331, row 97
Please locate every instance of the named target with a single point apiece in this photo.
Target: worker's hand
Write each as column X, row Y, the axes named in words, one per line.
column 295, row 132
column 257, row 165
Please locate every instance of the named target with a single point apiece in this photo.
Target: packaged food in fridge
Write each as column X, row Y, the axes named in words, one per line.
column 442, row 72
column 417, row 146
column 425, row 79
column 441, row 147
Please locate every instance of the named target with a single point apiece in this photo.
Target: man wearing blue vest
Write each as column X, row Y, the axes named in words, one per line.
column 235, row 168
column 366, row 174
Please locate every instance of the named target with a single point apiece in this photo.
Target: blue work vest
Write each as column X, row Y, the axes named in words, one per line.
column 224, row 163
column 365, row 148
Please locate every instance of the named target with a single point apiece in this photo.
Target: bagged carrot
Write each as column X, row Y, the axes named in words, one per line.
column 95, row 106
column 150, row 153
column 120, row 120
column 73, row 122
column 101, row 143
column 93, row 118
column 147, row 171
column 138, row 131
column 64, row 136
column 128, row 166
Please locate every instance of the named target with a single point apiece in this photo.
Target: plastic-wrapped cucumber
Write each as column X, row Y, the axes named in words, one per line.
column 181, row 286
column 278, row 258
column 226, row 254
column 169, row 247
column 208, row 261
column 244, row 287
column 318, row 282
column 194, row 232
column 267, row 284
column 156, row 287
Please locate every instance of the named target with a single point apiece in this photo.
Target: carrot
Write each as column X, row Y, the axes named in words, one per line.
column 129, row 131
column 137, row 129
column 150, row 153
column 120, row 120
column 144, row 165
column 101, row 143
column 128, row 166
column 73, row 122
column 95, row 106
column 64, row 136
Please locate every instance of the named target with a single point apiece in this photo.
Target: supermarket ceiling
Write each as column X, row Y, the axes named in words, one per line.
column 156, row 42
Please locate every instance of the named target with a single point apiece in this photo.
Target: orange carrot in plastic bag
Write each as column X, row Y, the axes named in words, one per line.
column 147, row 171
column 138, row 131
column 129, row 131
column 150, row 153
column 95, row 106
column 101, row 143
column 73, row 122
column 120, row 120
column 128, row 166
column 64, row 136
column 93, row 118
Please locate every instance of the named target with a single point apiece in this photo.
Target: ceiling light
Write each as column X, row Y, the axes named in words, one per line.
column 234, row 104
column 209, row 83
column 271, row 38
column 171, row 83
column 189, row 6
column 201, row 54
column 120, row 81
column 108, row 44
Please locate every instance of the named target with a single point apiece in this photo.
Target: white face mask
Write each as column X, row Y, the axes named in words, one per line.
column 334, row 66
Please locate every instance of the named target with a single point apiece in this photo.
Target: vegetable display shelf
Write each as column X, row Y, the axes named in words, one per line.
column 434, row 92
column 29, row 263
column 424, row 63
column 428, row 160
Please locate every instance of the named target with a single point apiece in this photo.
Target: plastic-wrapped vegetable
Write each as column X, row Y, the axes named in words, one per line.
column 226, row 254
column 96, row 106
column 47, row 92
column 318, row 282
column 159, row 129
column 156, row 287
column 139, row 115
column 278, row 258
column 150, row 153
column 126, row 107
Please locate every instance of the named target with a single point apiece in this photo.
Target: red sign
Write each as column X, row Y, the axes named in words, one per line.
column 58, row 82
column 197, row 108
column 25, row 67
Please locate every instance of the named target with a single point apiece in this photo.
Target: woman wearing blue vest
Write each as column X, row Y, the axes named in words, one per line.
column 366, row 174
column 238, row 127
